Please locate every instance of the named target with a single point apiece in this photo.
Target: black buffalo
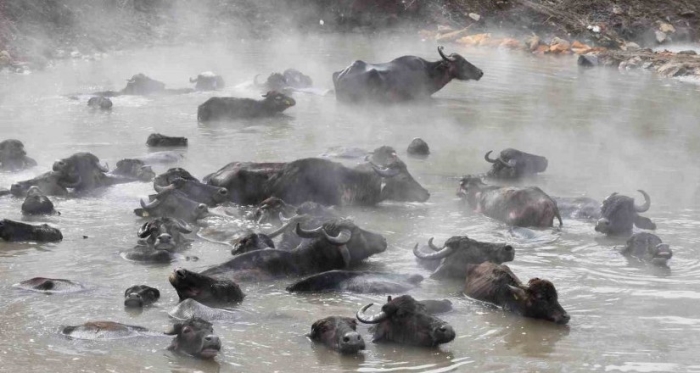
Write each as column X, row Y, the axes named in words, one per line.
column 204, row 289
column 135, row 169
column 158, row 140
column 208, row 81
column 521, row 207
column 451, row 260
column 100, row 102
column 338, row 333
column 252, row 242
column 196, row 191
column 513, row 164
column 164, row 233
column 195, row 337
column 647, row 247
column 222, row 108
column 496, row 283
column 142, row 85
column 139, row 296
column 418, row 148
column 83, row 172
column 356, row 282
column 15, row 231
column 406, row 321
column 620, row 214
column 51, row 183
column 36, row 203
column 173, row 204
column 402, row 79
column 13, row 157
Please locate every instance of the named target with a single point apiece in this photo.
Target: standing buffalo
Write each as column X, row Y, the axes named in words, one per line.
column 13, row 157
column 15, row 231
column 222, row 108
column 36, row 203
column 338, row 333
column 620, row 214
column 513, row 164
column 406, row 321
column 647, row 247
column 405, row 78
column 451, row 260
column 522, row 207
column 495, row 283
column 208, row 81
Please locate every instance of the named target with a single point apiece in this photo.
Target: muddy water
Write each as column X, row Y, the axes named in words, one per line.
column 602, row 132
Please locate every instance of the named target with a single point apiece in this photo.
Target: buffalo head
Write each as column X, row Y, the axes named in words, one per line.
column 138, row 296
column 538, row 300
column 204, row 289
column 459, row 251
column 338, row 333
column 140, row 84
column 459, row 68
column 620, row 214
column 164, row 233
column 355, row 244
column 398, row 184
column 407, row 321
column 195, row 337
column 277, row 102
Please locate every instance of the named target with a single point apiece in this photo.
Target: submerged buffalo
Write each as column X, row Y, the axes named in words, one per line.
column 203, row 288
column 451, row 260
column 142, row 85
column 648, row 248
column 135, row 169
column 356, row 282
column 402, row 79
column 406, row 321
column 36, row 203
column 13, row 157
column 336, row 244
column 418, row 148
column 83, row 172
column 100, row 102
column 158, row 140
column 289, row 80
column 139, row 296
column 51, row 183
column 495, row 283
column 208, row 81
column 159, row 239
column 521, row 207
column 620, row 214
column 222, row 108
column 195, row 337
column 514, row 164
column 196, row 191
column 338, row 333
column 173, row 204
column 14, row 231
column 318, row 180
column 50, row 285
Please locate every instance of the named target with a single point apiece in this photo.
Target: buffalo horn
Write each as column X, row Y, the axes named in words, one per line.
column 384, row 172
column 341, row 239
column 74, row 184
column 646, row 205
column 311, row 233
column 182, row 226
column 507, row 164
column 439, row 254
column 102, row 168
column 486, row 157
column 345, row 253
column 375, row 319
column 440, row 48
column 285, row 224
column 151, row 205
column 143, row 231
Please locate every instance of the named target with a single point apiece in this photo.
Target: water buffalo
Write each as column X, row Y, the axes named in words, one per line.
column 418, row 148
column 173, row 204
column 521, row 207
column 496, row 283
column 406, row 321
column 36, row 203
column 404, row 78
column 84, row 172
column 14, row 231
column 158, row 140
column 50, row 285
column 338, row 333
column 647, row 247
column 195, row 337
column 451, row 260
column 196, row 191
column 336, row 244
column 140, row 84
column 100, row 102
column 164, row 233
column 252, row 242
column 208, row 81
column 356, row 282
column 620, row 214
column 139, row 296
column 167, row 177
column 222, row 108
column 513, row 164
column 134, row 169
column 189, row 308
column 289, row 80
column 162, row 157
column 51, row 183
column 13, row 157
column 203, row 288
column 269, row 210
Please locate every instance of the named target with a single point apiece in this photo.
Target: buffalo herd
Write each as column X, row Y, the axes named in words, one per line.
column 313, row 244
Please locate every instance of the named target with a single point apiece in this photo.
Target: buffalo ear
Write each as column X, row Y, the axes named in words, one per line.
column 156, row 292
column 316, row 329
column 518, row 293
column 644, row 223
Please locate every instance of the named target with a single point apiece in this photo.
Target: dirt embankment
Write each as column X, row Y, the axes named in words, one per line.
column 34, row 32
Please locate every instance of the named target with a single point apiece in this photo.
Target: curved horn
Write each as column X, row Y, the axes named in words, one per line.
column 384, row 172
column 375, row 319
column 151, row 205
column 311, row 233
column 143, row 232
column 286, row 225
column 443, row 253
column 161, row 189
column 486, row 157
column 503, row 161
column 182, row 226
column 647, row 202
column 341, row 239
column 72, row 185
column 345, row 253
column 102, row 168
column 440, row 48
column 432, row 245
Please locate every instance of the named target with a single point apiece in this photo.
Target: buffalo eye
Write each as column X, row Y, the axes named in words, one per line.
column 187, row 330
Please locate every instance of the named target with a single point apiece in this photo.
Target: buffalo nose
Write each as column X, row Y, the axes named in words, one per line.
column 352, row 342
column 443, row 334
column 133, row 300
column 602, row 225
column 509, row 248
column 223, row 191
column 180, row 274
column 165, row 238
column 212, row 340
column 564, row 319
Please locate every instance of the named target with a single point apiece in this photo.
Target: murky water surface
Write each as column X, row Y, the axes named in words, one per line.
column 602, row 132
